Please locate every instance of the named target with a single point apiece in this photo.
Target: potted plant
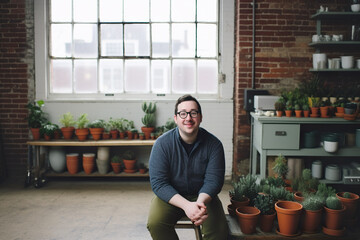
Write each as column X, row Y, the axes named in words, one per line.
column 334, row 216
column 142, row 168
column 116, row 164
column 127, row 126
column 351, row 202
column 149, row 119
column 68, row 122
column 129, row 161
column 279, row 107
column 306, row 109
column 48, row 130
column 96, row 128
column 265, row 203
column 170, row 124
column 141, row 136
column 315, row 105
column 350, row 108
column 289, row 108
column 280, row 194
column 298, row 110
column 281, row 168
column 237, row 196
column 324, row 108
column 82, row 131
column 115, row 124
column 288, row 215
column 36, row 118
column 311, row 221
column 106, row 133
column 135, row 133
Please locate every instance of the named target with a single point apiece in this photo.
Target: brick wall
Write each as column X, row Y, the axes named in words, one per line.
column 282, row 56
column 16, row 63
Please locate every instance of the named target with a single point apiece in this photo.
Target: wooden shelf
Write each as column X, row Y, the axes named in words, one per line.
column 119, row 142
column 95, row 174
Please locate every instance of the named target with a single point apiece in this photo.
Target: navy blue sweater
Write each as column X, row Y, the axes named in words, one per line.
column 174, row 171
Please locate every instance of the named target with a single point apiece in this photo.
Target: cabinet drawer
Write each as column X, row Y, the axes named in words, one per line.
column 281, row 136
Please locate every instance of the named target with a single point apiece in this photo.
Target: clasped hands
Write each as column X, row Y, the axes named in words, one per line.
column 196, row 212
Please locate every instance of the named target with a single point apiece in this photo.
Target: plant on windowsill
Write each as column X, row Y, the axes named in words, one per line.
column 149, row 119
column 96, row 128
column 68, row 122
column 82, row 131
column 36, row 118
column 128, row 125
column 114, row 123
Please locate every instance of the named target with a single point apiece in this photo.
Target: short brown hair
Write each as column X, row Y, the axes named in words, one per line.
column 185, row 98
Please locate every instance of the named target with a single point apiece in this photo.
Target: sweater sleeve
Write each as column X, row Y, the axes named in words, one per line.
column 159, row 170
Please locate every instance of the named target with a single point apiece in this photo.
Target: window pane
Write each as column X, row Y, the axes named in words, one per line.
column 136, row 10
column 137, row 40
column 61, row 40
column 183, row 40
column 183, row 10
column 85, row 76
column 110, row 10
column 60, row 76
column 207, row 40
column 183, row 76
column 160, row 10
column 85, row 40
column 111, row 75
column 137, row 76
column 61, row 10
column 160, row 34
column 160, row 76
column 207, row 10
column 111, row 40
column 89, row 15
column 207, row 76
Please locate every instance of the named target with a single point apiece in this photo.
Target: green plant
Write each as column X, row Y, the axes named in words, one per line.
column 333, row 202
column 129, row 155
column 49, row 129
column 265, row 203
column 82, row 121
column 305, row 107
column 297, row 107
column 107, row 127
column 99, row 123
column 170, row 124
column 289, row 105
column 324, row 191
column 67, row 120
column 149, row 119
column 238, row 192
column 312, row 203
column 251, row 188
column 127, row 125
column 312, row 86
column 347, row 195
column 116, row 159
column 280, row 193
column 281, row 167
column 306, row 174
column 36, row 117
column 316, row 102
column 279, row 105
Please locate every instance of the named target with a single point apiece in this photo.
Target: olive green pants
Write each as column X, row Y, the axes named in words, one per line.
column 163, row 217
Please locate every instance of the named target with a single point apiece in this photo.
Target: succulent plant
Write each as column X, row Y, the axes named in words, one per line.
column 251, row 188
column 149, row 119
column 280, row 193
column 333, row 202
column 346, row 195
column 281, row 167
column 306, row 174
column 279, row 105
column 325, row 191
column 312, row 203
column 238, row 192
column 129, row 155
column 265, row 203
column 116, row 159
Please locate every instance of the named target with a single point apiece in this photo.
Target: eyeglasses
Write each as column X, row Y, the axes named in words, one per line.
column 183, row 114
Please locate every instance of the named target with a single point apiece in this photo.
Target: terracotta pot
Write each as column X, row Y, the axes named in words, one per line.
column 130, row 135
column 231, row 210
column 324, row 112
column 314, row 111
column 289, row 189
column 105, row 135
column 96, row 133
column 311, row 221
column 136, row 135
column 306, row 113
column 298, row 113
column 82, row 133
column 88, row 162
column 267, row 222
column 47, row 137
column 147, row 131
column 141, row 137
column 299, row 197
column 72, row 162
column 122, row 135
column 237, row 204
column 340, row 109
column 279, row 113
column 67, row 132
column 116, row 167
column 35, row 133
column 288, row 113
column 142, row 170
column 114, row 134
column 351, row 204
column 248, row 218
column 334, row 218
column 129, row 164
column 288, row 215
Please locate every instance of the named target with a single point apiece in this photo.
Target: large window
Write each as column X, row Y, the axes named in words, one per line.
column 100, row 48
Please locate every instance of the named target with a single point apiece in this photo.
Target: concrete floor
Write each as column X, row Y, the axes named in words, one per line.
column 100, row 209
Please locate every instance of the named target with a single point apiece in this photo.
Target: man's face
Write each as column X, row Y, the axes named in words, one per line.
column 188, row 126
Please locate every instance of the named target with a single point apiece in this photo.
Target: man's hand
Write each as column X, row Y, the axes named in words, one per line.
column 196, row 212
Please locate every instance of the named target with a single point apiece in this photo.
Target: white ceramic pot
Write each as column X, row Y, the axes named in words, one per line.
column 331, row 146
column 347, row 62
column 319, row 60
column 103, row 153
column 358, row 63
column 332, row 172
column 316, row 169
column 355, row 7
column 102, row 166
column 57, row 159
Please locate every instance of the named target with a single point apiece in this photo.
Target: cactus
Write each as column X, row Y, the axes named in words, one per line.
column 306, row 174
column 334, row 203
column 265, row 203
column 312, row 203
column 347, row 195
column 281, row 167
column 149, row 119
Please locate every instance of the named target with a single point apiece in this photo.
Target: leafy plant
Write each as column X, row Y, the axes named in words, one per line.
column 279, row 105
column 170, row 124
column 305, row 107
column 316, row 102
column 149, row 119
column 333, row 202
column 265, row 203
column 116, row 159
column 67, row 120
column 251, row 188
column 297, row 107
column 281, row 167
column 127, row 125
column 312, row 203
column 36, row 117
column 280, row 193
column 82, row 121
column 129, row 155
column 238, row 192
column 49, row 129
column 98, row 123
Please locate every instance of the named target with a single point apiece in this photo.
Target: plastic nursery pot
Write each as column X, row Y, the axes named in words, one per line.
column 288, row 215
column 334, row 218
column 311, row 221
column 351, row 204
column 248, row 218
column 266, row 222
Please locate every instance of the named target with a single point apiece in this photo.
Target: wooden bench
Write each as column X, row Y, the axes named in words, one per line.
column 186, row 223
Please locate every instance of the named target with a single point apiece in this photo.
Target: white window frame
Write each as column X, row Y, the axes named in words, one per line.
column 226, row 62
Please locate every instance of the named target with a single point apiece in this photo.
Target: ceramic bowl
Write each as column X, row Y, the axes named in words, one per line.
column 331, row 146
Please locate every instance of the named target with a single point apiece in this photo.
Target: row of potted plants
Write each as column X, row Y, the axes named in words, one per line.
column 303, row 199
column 99, row 129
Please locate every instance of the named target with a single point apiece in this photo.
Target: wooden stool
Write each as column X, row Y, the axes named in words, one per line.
column 185, row 222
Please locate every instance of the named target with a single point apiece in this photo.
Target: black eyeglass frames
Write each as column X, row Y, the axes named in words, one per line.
column 184, row 114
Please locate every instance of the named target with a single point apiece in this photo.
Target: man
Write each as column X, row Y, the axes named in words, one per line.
column 187, row 169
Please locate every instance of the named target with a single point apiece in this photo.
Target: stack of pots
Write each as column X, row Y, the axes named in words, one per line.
column 103, row 160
